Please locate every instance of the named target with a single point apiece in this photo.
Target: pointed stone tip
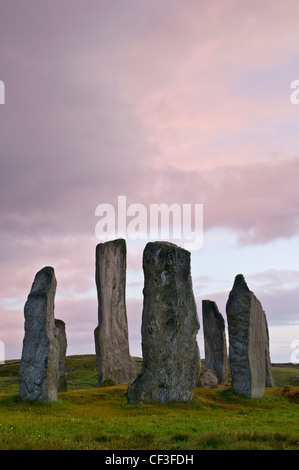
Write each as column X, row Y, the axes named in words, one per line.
column 46, row 272
column 240, row 281
column 48, row 269
column 43, row 280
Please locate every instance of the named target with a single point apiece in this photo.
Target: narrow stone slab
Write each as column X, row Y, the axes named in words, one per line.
column 39, row 368
column 171, row 362
column 60, row 328
column 248, row 341
column 269, row 374
column 111, row 335
column 215, row 340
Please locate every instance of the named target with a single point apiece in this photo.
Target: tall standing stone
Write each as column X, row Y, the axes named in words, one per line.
column 111, row 335
column 171, row 362
column 214, row 340
column 39, row 374
column 248, row 341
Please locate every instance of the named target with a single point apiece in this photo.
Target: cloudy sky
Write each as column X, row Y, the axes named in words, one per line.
column 163, row 101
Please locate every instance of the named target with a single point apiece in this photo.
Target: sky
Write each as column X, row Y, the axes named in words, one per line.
column 162, row 102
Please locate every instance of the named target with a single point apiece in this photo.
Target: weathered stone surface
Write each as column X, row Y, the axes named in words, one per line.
column 208, row 379
column 39, row 367
column 111, row 335
column 171, row 362
column 60, row 328
column 214, row 340
column 269, row 375
column 248, row 341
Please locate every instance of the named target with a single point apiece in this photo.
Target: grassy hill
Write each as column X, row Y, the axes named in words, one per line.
column 91, row 417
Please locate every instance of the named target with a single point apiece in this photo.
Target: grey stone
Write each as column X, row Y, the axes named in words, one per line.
column 269, row 375
column 248, row 341
column 208, row 379
column 60, row 327
column 39, row 367
column 171, row 362
column 214, row 340
column 111, row 335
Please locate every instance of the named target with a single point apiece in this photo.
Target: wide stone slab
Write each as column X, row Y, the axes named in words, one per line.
column 171, row 362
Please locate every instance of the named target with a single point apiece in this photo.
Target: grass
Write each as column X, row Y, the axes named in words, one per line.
column 91, row 417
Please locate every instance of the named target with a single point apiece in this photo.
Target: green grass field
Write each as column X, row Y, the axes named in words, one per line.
column 91, row 417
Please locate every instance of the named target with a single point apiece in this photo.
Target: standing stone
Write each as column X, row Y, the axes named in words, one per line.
column 60, row 326
column 214, row 340
column 39, row 367
column 171, row 362
column 248, row 341
column 111, row 335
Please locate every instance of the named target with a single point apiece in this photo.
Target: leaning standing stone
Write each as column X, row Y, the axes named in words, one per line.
column 214, row 340
column 111, row 335
column 171, row 362
column 248, row 341
column 39, row 367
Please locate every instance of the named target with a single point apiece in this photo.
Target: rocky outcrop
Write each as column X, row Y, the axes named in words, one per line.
column 214, row 340
column 111, row 335
column 248, row 341
column 171, row 362
column 41, row 361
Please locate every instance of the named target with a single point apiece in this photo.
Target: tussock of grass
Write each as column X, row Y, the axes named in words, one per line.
column 91, row 417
